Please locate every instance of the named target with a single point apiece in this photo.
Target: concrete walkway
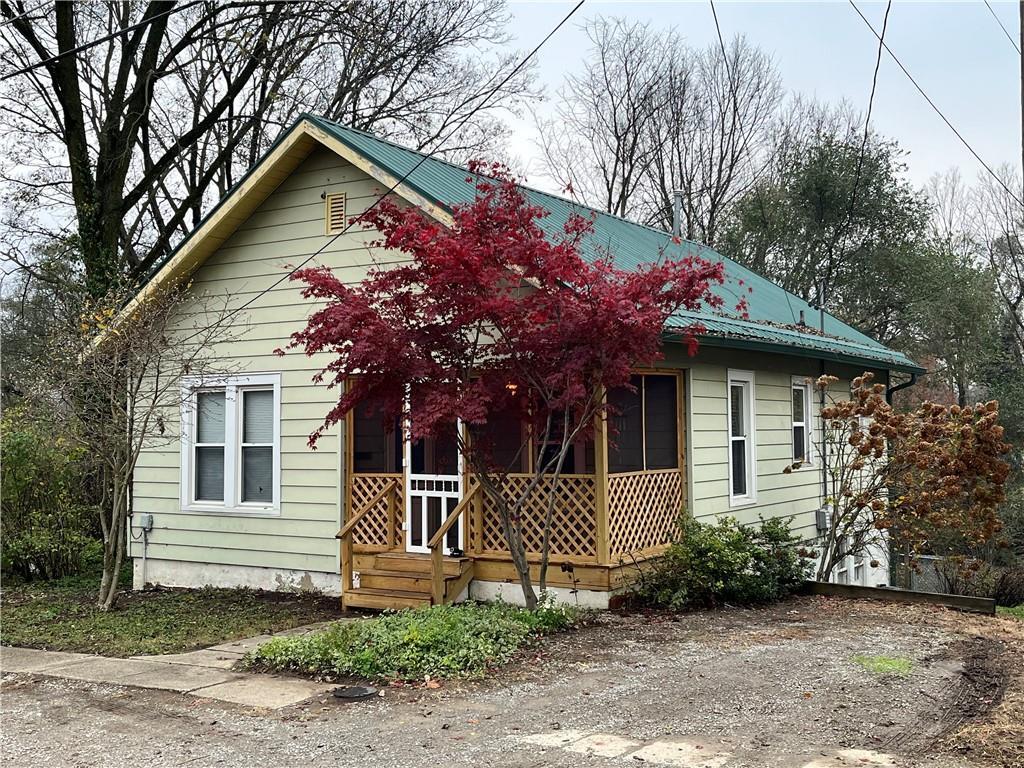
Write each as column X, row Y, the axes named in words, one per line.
column 208, row 673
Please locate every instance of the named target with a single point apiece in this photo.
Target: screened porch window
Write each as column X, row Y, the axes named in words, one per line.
column 741, row 430
column 231, row 442
column 578, row 460
column 645, row 422
column 503, row 442
column 377, row 447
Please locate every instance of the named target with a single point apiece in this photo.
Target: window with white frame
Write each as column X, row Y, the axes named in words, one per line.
column 231, row 444
column 803, row 421
column 742, row 455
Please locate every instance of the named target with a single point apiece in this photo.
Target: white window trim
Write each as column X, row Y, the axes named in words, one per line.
column 809, row 423
column 747, row 378
column 232, row 504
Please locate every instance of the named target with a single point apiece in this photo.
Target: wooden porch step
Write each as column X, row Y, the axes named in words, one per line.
column 404, row 581
column 411, row 562
column 383, row 599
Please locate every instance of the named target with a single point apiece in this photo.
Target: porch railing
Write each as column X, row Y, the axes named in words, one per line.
column 436, row 543
column 643, row 510
column 574, row 526
column 388, row 496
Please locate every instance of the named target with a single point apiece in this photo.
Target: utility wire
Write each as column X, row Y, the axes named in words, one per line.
column 423, row 158
column 746, row 139
column 92, row 44
column 1005, row 30
column 938, row 111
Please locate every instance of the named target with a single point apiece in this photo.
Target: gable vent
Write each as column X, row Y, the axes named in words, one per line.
column 335, row 213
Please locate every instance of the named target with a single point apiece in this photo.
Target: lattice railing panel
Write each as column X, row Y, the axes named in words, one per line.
column 643, row 510
column 372, row 530
column 573, row 527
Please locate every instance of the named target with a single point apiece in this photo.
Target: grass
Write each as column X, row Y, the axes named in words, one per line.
column 885, row 665
column 1014, row 612
column 61, row 615
column 465, row 640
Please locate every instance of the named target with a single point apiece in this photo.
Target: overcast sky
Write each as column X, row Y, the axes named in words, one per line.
column 956, row 52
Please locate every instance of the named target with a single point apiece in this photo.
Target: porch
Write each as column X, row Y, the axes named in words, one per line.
column 421, row 528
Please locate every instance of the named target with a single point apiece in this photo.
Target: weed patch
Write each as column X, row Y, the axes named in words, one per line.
column 884, row 665
column 464, row 640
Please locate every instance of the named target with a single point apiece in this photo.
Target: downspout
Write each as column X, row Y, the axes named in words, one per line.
column 893, row 552
column 890, row 391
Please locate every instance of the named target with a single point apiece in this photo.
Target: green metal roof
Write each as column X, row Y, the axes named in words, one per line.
column 773, row 312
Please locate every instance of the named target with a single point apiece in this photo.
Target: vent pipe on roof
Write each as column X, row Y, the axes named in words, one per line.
column 677, row 212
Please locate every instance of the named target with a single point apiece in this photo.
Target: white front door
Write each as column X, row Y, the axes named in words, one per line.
column 433, row 488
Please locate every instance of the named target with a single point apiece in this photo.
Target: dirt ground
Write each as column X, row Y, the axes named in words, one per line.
column 772, row 687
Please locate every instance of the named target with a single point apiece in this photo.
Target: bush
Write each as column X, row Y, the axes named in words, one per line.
column 44, row 525
column 462, row 640
column 724, row 563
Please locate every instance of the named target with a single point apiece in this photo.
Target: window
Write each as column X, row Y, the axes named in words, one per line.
column 742, row 462
column 334, row 213
column 579, row 459
column 646, row 425
column 231, row 440
column 377, row 447
column 503, row 442
column 803, row 420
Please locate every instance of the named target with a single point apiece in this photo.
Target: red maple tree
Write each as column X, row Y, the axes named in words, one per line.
column 490, row 316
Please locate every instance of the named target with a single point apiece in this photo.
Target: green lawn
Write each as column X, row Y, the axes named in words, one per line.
column 61, row 615
column 1016, row 612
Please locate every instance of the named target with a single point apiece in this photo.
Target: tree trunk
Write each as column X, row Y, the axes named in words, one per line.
column 113, row 545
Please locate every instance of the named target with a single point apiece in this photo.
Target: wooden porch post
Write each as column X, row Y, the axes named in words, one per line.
column 601, row 483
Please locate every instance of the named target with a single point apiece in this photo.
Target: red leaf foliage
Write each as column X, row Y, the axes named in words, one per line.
column 491, row 313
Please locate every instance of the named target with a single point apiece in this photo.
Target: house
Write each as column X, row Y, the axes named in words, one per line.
column 244, row 502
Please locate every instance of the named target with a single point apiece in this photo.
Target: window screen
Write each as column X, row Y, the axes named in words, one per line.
column 660, row 424
column 625, row 440
column 377, row 448
column 258, row 445
column 501, row 441
column 209, row 446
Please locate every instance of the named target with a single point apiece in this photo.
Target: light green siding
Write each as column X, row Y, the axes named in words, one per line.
column 284, row 230
column 796, row 494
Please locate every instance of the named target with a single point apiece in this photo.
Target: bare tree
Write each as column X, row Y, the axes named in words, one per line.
column 1000, row 221
column 599, row 143
column 126, row 142
column 114, row 381
column 650, row 116
column 713, row 138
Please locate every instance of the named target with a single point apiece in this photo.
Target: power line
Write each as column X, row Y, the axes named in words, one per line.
column 867, row 117
column 746, row 139
column 423, row 158
column 1002, row 27
column 935, row 107
column 92, row 44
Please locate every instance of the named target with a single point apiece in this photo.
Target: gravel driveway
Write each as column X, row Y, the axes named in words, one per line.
column 772, row 687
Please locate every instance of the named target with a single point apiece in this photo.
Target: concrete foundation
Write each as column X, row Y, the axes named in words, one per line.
column 176, row 573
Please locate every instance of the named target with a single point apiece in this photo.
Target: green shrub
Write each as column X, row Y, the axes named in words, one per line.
column 462, row 640
column 724, row 563
column 44, row 525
